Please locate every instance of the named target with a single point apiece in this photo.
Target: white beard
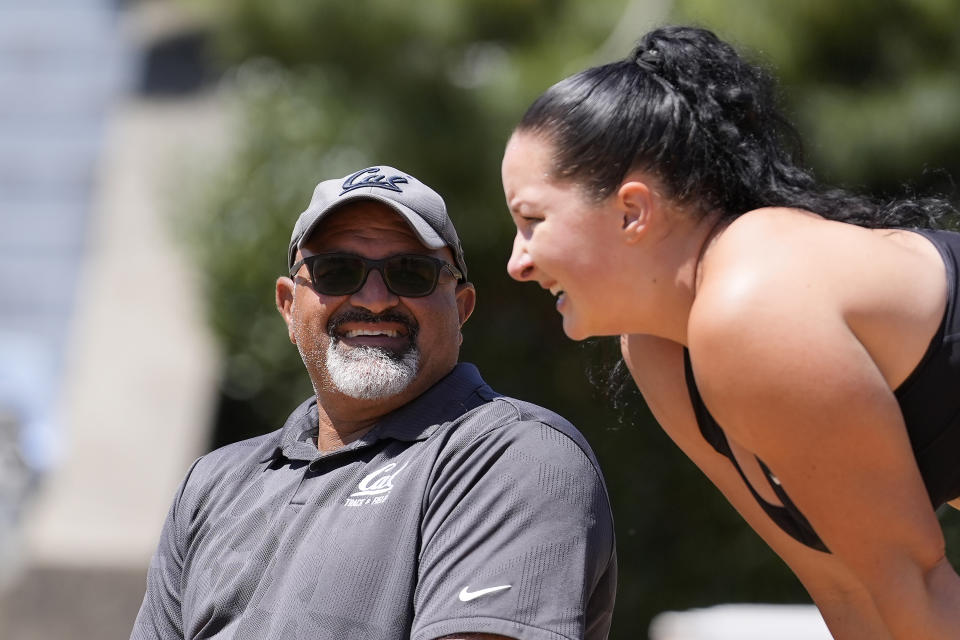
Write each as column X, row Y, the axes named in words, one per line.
column 368, row 373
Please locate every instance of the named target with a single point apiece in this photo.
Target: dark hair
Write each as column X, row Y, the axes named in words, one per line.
column 686, row 107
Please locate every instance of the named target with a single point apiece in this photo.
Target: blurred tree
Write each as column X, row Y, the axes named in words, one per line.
column 435, row 88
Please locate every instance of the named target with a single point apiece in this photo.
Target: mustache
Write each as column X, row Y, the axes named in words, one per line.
column 359, row 315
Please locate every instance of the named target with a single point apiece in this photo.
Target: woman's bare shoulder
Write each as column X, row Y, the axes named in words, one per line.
column 779, row 274
column 767, row 218
column 774, row 261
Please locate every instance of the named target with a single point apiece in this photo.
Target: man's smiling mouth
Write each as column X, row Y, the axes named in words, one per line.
column 390, row 333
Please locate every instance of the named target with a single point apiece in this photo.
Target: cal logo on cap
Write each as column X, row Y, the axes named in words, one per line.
column 376, row 180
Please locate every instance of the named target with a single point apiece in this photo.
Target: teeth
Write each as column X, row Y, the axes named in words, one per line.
column 372, row 332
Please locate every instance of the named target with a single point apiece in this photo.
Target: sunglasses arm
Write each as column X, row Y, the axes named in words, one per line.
column 296, row 267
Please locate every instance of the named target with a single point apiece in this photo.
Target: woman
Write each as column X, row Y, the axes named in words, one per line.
column 800, row 344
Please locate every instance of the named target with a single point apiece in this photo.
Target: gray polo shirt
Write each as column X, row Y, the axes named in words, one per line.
column 463, row 511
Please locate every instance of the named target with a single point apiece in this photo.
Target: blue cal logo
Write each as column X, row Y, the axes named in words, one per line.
column 360, row 179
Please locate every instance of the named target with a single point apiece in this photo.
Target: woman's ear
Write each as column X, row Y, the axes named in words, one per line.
column 636, row 203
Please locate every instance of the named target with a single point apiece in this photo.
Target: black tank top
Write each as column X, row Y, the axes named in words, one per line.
column 929, row 399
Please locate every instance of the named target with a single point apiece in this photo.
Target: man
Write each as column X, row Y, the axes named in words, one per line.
column 406, row 499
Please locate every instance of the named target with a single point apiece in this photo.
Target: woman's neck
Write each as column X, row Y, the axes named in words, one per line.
column 673, row 261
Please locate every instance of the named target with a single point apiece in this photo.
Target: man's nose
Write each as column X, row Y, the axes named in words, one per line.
column 520, row 265
column 374, row 295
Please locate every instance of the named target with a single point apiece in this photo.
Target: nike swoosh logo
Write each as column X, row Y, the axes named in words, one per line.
column 466, row 595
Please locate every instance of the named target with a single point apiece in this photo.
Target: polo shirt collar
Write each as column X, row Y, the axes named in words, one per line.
column 455, row 394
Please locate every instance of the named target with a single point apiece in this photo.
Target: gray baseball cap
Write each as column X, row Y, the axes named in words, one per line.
column 421, row 206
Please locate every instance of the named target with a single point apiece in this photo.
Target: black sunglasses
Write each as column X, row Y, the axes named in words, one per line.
column 341, row 274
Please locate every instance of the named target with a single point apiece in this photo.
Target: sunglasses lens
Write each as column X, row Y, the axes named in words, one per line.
column 411, row 276
column 336, row 275
column 340, row 274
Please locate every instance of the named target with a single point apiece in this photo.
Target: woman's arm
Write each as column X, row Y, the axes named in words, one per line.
column 788, row 379
column 657, row 368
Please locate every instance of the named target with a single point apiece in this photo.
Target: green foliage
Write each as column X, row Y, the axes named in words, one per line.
column 327, row 86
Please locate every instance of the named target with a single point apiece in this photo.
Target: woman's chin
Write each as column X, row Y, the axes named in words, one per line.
column 575, row 330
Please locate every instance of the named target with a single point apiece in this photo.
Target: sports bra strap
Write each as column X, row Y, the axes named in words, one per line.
column 787, row 516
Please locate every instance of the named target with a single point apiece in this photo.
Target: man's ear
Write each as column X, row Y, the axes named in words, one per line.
column 635, row 201
column 285, row 292
column 466, row 301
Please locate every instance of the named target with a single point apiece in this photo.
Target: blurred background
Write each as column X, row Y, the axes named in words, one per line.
column 155, row 154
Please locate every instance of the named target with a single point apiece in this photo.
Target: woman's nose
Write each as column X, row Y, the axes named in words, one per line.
column 520, row 265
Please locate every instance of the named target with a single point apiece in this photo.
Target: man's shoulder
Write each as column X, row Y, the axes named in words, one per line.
column 236, row 457
column 521, row 423
column 250, row 453
column 528, row 411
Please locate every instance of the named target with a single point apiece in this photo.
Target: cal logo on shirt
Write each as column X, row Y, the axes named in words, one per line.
column 375, row 487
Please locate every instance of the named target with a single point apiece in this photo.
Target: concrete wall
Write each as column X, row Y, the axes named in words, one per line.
column 135, row 368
